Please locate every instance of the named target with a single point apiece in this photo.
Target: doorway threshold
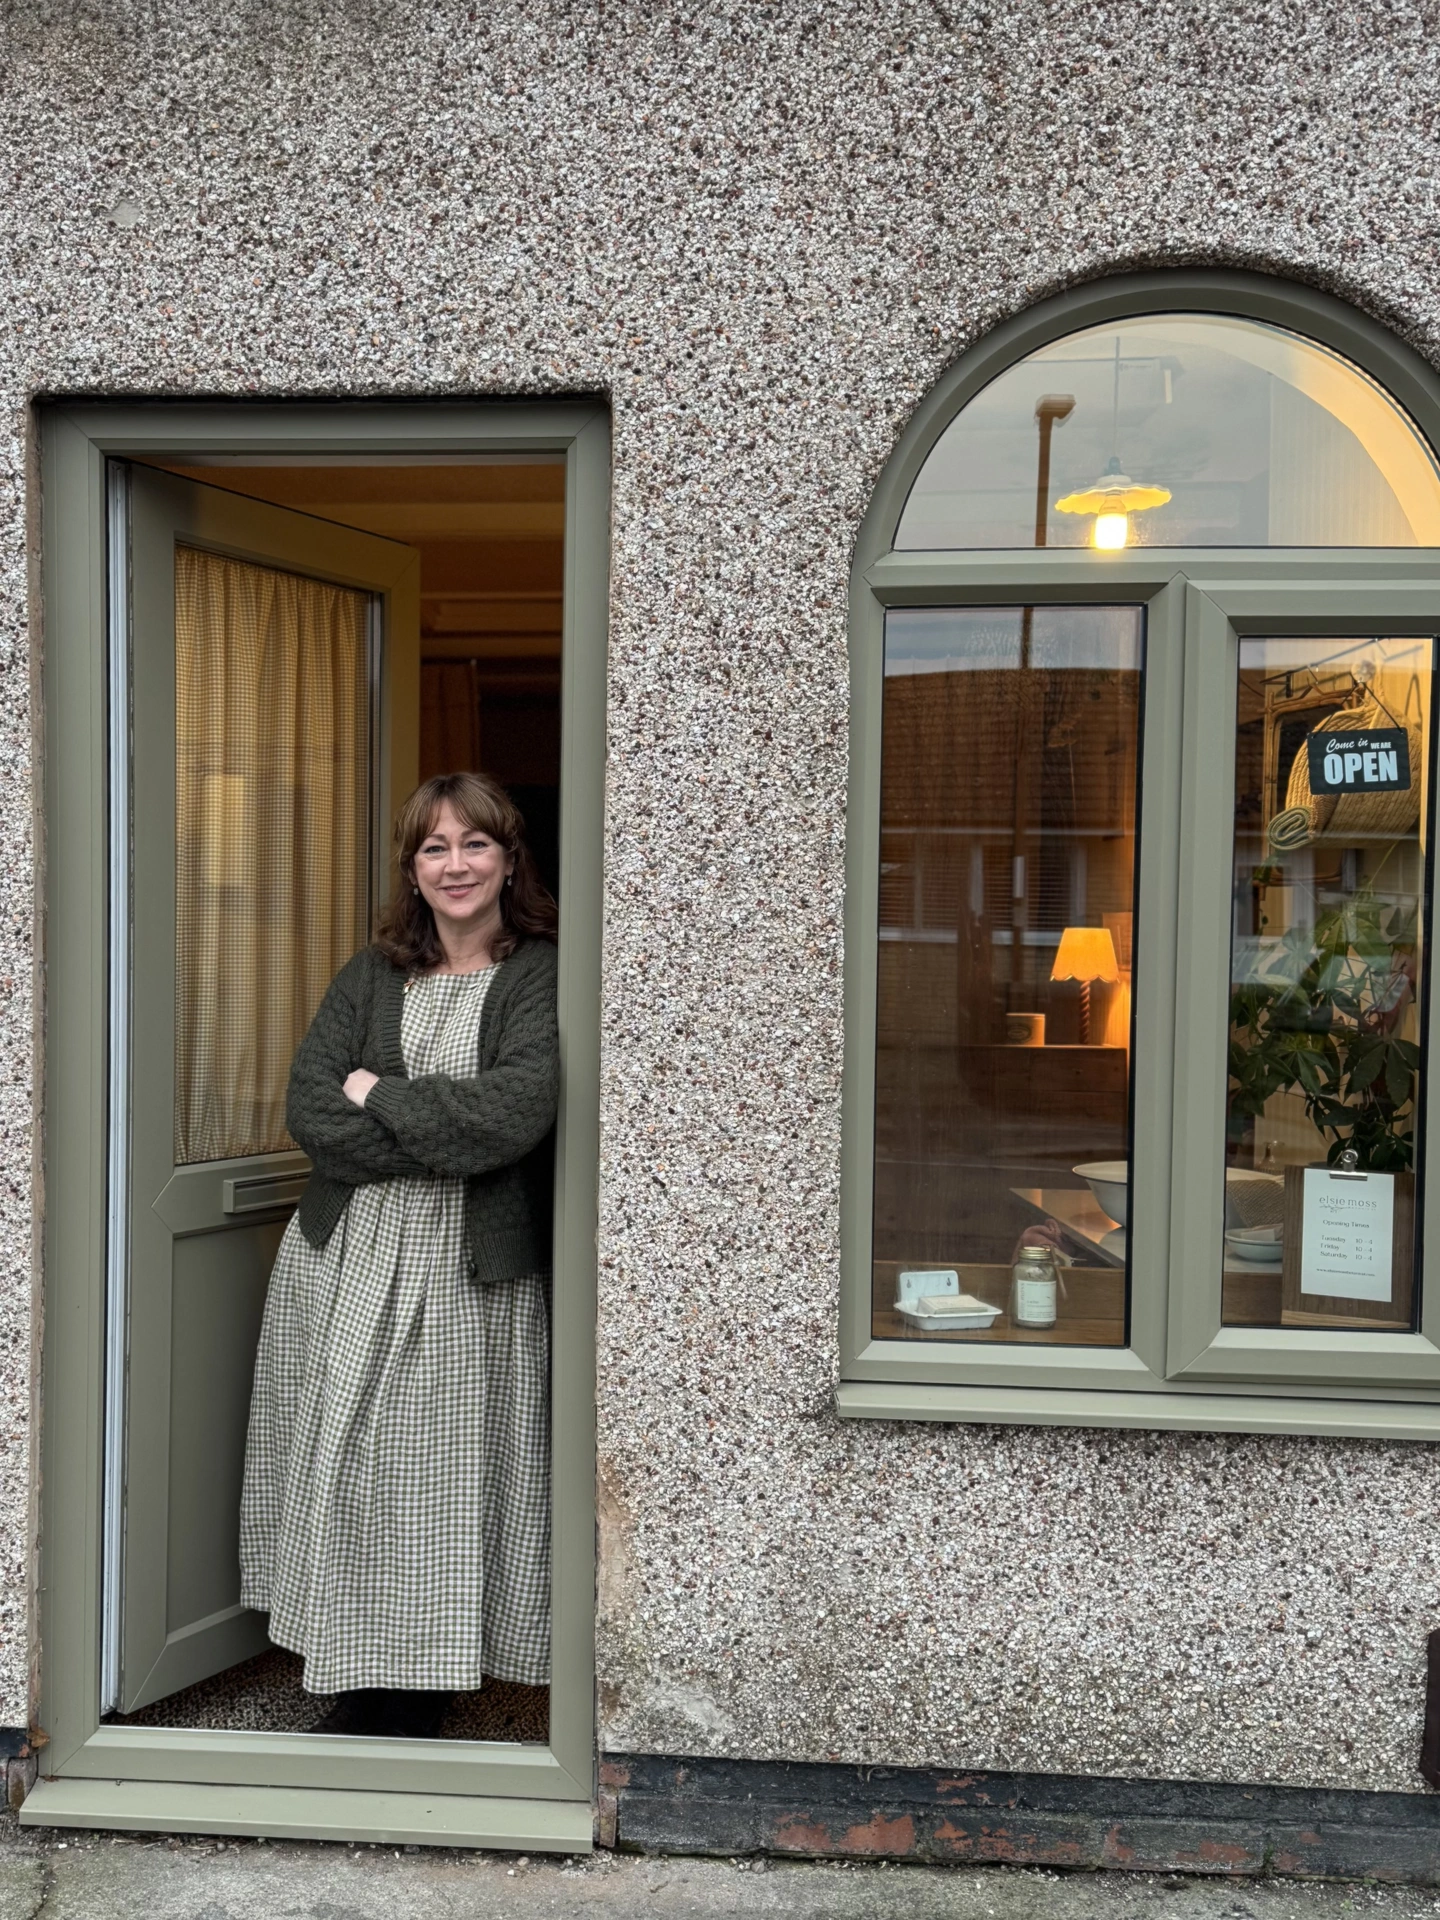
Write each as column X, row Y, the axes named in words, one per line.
column 309, row 1813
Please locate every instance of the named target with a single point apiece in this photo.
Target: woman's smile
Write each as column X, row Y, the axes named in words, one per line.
column 461, row 873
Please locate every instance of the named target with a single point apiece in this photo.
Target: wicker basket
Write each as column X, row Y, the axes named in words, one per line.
column 1253, row 1199
column 1308, row 816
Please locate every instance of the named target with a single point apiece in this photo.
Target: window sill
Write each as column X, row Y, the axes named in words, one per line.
column 1175, row 1412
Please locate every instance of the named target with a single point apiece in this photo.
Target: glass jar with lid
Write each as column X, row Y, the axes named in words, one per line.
column 1034, row 1287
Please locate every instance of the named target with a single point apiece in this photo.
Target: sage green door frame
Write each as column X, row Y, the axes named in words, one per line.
column 450, row 1793
column 1181, row 1368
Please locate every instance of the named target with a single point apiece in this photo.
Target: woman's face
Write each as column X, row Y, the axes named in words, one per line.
column 460, row 872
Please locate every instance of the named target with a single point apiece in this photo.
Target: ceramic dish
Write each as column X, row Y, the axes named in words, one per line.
column 930, row 1297
column 1256, row 1243
column 1109, row 1181
column 952, row 1312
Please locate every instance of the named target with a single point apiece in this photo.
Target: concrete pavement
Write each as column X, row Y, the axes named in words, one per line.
column 105, row 1877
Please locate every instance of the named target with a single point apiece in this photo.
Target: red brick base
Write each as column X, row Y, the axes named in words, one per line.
column 660, row 1805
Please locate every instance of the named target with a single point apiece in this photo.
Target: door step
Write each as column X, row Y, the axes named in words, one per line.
column 308, row 1813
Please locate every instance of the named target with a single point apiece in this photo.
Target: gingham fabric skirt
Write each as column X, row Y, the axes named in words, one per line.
column 395, row 1521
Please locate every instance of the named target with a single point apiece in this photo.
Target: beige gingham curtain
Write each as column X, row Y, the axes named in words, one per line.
column 271, row 842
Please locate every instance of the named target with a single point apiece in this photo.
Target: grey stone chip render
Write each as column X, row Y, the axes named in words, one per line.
column 762, row 232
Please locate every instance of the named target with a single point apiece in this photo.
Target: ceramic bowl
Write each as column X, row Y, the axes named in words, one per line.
column 1109, row 1181
column 1256, row 1243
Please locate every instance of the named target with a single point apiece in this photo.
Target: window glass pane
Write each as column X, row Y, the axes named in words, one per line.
column 1193, row 430
column 1328, row 981
column 271, row 835
column 1008, row 833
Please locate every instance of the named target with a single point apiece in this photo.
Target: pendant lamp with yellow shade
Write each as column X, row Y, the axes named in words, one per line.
column 1114, row 496
column 1112, row 499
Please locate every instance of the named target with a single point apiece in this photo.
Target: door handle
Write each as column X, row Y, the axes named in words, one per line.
column 260, row 1192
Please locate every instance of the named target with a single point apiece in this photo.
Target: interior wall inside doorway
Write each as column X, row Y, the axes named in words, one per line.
column 491, row 543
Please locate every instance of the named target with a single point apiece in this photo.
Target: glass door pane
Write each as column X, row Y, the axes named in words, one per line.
column 272, row 734
column 1328, row 981
column 1008, row 840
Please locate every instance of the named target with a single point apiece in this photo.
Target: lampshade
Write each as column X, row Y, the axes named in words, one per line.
column 1085, row 953
column 1114, row 492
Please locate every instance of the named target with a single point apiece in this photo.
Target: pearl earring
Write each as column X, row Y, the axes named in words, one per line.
column 414, row 890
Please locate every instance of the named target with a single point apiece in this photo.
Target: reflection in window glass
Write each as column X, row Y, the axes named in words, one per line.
column 1193, row 430
column 1008, row 834
column 1328, row 956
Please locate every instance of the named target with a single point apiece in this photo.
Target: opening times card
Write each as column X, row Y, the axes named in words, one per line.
column 1348, row 1235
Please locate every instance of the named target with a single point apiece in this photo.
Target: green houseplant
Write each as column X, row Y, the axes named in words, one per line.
column 1319, row 1015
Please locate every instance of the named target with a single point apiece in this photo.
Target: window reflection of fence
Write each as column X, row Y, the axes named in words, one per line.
column 1007, row 815
column 948, row 923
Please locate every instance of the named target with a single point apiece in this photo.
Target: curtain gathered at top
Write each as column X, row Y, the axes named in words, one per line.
column 272, row 723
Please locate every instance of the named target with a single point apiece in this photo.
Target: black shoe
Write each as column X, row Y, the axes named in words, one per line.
column 412, row 1713
column 361, row 1712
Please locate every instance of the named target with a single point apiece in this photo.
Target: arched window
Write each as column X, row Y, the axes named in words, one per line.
column 1144, row 651
column 1200, row 429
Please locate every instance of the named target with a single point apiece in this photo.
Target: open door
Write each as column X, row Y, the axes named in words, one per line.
column 273, row 719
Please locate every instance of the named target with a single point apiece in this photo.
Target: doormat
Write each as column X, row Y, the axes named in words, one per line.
column 266, row 1695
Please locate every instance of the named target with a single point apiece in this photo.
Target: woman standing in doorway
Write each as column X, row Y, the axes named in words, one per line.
column 395, row 1517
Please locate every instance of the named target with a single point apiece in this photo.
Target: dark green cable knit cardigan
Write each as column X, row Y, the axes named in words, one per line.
column 495, row 1131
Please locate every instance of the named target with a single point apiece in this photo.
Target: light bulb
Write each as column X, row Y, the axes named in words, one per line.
column 1112, row 532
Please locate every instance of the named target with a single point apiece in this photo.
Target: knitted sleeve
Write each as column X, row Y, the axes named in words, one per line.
column 345, row 1141
column 459, row 1127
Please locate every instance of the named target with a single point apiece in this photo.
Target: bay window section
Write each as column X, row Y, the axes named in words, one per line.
column 1009, row 801
column 1174, row 533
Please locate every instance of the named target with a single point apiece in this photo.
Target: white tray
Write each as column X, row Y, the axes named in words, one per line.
column 969, row 1314
column 949, row 1322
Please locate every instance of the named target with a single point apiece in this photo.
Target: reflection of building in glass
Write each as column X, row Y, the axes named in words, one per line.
column 1259, row 438
column 1007, row 823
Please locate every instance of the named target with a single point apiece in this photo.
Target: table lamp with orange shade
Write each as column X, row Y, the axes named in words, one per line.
column 1085, row 954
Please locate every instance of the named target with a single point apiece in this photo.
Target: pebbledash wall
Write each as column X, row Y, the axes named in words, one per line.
column 761, row 232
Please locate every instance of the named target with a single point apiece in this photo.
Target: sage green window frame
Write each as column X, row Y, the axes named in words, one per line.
column 180, row 1779
column 1182, row 1368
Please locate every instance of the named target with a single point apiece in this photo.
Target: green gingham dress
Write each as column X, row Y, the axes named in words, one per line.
column 395, row 1519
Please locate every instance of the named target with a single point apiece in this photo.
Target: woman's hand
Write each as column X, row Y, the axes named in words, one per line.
column 358, row 1084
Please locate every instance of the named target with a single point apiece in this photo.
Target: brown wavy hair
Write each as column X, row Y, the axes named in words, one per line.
column 405, row 931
